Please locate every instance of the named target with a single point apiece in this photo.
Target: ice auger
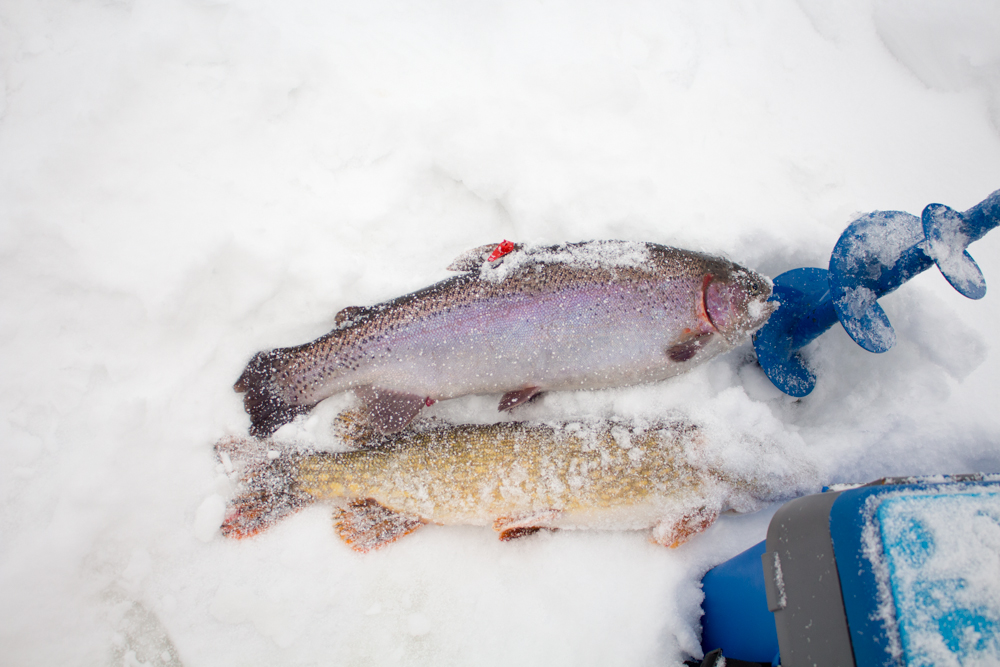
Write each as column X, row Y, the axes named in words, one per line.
column 876, row 254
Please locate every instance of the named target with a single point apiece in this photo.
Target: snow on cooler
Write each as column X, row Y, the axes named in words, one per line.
column 938, row 556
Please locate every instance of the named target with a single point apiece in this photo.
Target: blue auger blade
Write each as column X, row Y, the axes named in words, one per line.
column 947, row 240
column 877, row 253
column 949, row 233
column 804, row 312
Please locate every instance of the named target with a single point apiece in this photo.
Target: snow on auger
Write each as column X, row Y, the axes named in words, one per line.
column 876, row 254
column 896, row 573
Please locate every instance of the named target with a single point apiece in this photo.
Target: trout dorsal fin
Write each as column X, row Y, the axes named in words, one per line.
column 471, row 260
column 366, row 525
column 348, row 314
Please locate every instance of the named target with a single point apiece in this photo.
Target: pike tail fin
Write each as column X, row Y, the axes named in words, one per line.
column 267, row 488
column 263, row 399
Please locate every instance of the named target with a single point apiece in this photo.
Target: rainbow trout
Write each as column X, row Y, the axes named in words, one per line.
column 518, row 321
column 516, row 477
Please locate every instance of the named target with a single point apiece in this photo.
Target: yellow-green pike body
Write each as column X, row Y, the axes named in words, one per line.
column 517, row 477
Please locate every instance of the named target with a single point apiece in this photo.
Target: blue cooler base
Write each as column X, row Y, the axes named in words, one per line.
column 738, row 584
column 902, row 572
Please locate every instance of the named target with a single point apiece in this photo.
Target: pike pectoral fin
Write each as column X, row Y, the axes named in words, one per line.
column 675, row 531
column 388, row 410
column 686, row 350
column 513, row 527
column 514, row 533
column 512, row 399
column 365, row 525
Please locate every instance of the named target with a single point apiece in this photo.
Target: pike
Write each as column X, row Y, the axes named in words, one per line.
column 517, row 477
column 518, row 321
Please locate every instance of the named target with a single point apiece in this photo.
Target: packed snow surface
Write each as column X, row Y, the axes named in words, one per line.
column 185, row 182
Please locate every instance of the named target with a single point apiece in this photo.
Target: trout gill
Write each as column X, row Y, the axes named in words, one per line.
column 516, row 477
column 518, row 321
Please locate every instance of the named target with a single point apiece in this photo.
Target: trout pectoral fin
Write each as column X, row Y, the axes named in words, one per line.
column 675, row 531
column 685, row 350
column 388, row 410
column 366, row 525
column 512, row 399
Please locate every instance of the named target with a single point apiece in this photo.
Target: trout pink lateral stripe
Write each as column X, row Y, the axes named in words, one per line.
column 587, row 315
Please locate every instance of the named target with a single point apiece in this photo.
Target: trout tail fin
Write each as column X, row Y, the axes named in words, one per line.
column 267, row 488
column 263, row 399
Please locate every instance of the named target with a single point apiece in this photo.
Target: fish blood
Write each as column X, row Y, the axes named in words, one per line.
column 505, row 248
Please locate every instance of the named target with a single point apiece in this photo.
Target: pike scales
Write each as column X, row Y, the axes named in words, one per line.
column 516, row 477
column 589, row 315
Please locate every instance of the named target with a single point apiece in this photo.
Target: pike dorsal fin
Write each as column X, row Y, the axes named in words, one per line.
column 354, row 427
column 366, row 525
column 471, row 260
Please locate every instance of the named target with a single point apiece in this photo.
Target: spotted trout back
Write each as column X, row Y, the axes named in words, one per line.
column 575, row 316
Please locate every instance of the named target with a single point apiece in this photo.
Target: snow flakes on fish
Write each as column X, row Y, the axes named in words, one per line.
column 589, row 255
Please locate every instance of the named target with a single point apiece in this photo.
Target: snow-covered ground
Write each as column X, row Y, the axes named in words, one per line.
column 186, row 182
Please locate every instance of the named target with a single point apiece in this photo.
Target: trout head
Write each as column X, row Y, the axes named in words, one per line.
column 736, row 301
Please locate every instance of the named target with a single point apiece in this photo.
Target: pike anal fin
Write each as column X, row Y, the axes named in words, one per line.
column 512, row 399
column 513, row 527
column 389, row 411
column 676, row 531
column 365, row 525
column 515, row 533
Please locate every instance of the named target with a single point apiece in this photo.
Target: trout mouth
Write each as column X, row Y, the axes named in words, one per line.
column 738, row 305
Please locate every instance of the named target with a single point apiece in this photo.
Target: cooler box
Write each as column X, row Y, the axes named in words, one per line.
column 901, row 572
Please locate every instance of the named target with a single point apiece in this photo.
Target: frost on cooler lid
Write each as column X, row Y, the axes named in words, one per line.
column 942, row 557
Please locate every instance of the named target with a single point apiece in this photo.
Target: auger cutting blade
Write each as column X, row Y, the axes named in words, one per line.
column 948, row 235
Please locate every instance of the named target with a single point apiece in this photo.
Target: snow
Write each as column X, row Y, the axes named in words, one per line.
column 603, row 254
column 184, row 183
